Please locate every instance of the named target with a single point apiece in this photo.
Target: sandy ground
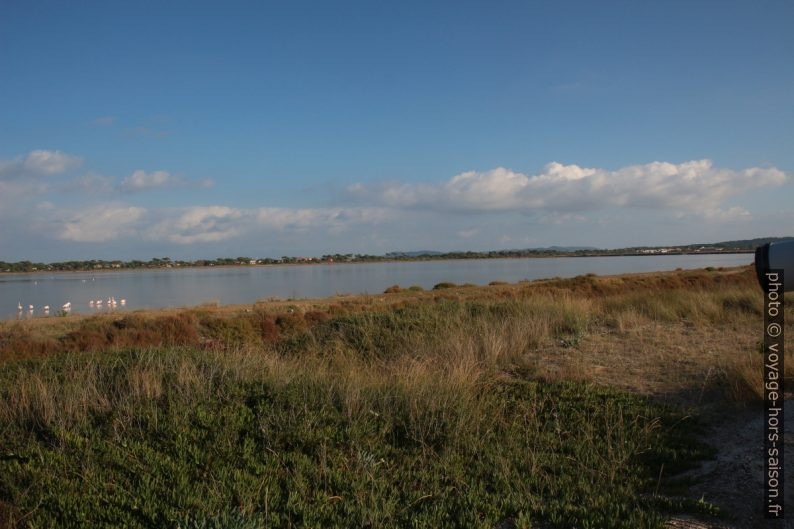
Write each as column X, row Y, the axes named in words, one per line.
column 734, row 479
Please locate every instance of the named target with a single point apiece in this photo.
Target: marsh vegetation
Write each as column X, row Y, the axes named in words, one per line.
column 557, row 403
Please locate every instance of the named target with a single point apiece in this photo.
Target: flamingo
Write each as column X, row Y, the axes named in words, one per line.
column 98, row 302
column 19, row 306
column 123, row 301
column 30, row 308
column 91, row 303
column 67, row 305
column 46, row 308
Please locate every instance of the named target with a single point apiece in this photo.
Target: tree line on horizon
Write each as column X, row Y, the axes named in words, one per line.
column 746, row 245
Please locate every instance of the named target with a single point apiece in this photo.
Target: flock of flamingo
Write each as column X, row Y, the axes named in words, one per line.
column 66, row 307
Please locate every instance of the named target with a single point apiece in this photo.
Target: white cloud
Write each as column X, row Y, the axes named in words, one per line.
column 692, row 186
column 199, row 224
column 140, row 180
column 101, row 223
column 190, row 225
column 39, row 163
column 554, row 199
column 732, row 214
column 50, row 162
column 334, row 219
column 16, row 194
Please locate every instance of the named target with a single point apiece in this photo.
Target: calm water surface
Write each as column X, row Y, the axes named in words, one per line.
column 193, row 286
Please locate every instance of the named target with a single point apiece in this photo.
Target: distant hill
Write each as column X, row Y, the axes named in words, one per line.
column 744, row 245
column 748, row 244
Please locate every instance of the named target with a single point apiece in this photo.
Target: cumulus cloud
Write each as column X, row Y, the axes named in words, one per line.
column 199, row 224
column 15, row 194
column 39, row 162
column 101, row 223
column 691, row 186
column 140, row 180
column 195, row 224
column 50, row 162
column 696, row 192
column 334, row 219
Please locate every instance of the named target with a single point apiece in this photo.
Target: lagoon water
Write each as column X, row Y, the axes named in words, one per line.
column 246, row 284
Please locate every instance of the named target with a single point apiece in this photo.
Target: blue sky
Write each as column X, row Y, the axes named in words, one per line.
column 199, row 129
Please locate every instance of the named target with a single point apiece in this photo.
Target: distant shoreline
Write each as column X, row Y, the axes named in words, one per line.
column 373, row 261
column 381, row 297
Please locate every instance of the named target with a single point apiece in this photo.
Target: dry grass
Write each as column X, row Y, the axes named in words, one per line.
column 426, row 367
column 663, row 334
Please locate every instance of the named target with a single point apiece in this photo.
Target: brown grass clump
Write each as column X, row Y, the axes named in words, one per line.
column 19, row 341
column 266, row 324
column 316, row 316
column 291, row 323
column 134, row 330
column 231, row 332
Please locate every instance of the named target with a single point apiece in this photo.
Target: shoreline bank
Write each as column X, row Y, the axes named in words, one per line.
column 373, row 261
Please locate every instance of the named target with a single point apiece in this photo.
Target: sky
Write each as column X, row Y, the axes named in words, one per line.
column 203, row 129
